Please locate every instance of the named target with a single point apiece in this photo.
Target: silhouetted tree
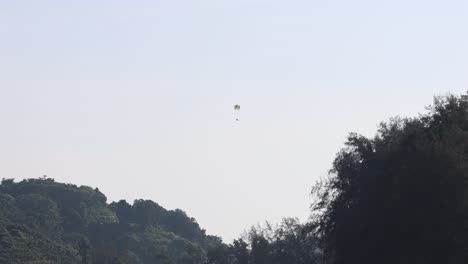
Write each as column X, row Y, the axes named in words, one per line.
column 260, row 252
column 240, row 251
column 400, row 197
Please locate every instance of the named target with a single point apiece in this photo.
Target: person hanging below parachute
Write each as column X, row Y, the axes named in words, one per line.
column 237, row 108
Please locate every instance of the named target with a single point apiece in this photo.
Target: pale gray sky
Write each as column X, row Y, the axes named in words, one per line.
column 136, row 97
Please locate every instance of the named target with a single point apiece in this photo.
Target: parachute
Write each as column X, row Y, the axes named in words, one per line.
column 237, row 108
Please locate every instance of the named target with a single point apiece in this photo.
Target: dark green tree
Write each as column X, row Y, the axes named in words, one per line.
column 400, row 197
column 240, row 251
column 260, row 248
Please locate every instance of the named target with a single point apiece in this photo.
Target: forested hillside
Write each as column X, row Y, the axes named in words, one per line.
column 42, row 221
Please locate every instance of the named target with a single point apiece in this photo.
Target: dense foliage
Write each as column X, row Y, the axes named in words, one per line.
column 42, row 221
column 287, row 243
column 402, row 196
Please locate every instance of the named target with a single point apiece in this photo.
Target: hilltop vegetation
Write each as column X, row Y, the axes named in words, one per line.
column 42, row 220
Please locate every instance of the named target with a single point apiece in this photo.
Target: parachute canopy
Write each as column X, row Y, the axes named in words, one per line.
column 237, row 107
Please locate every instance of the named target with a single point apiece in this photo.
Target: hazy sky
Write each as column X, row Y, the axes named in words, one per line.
column 136, row 97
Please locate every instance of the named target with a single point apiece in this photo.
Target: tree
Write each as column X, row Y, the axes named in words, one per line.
column 400, row 197
column 260, row 252
column 218, row 254
column 239, row 249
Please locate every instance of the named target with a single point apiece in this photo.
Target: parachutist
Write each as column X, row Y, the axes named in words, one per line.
column 237, row 108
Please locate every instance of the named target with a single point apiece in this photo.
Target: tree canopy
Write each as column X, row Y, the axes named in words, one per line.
column 43, row 220
column 401, row 196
